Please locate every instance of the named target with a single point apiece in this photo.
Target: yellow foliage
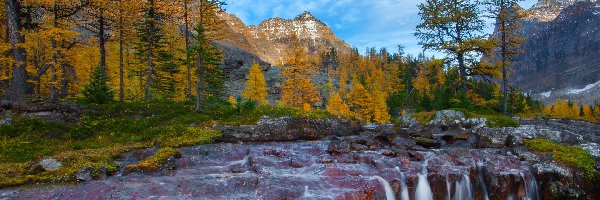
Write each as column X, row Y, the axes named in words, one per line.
column 306, row 107
column 337, row 106
column 298, row 88
column 361, row 102
column 381, row 114
column 256, row 86
column 561, row 109
column 232, row 102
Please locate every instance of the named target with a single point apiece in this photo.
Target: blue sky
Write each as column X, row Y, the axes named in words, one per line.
column 362, row 24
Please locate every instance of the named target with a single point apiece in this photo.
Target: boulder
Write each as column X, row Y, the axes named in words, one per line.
column 338, row 147
column 427, row 143
column 447, row 117
column 288, row 129
column 403, row 143
column 408, row 120
column 51, row 164
column 84, row 174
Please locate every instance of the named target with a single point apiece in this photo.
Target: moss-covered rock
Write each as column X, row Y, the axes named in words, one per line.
column 162, row 159
column 572, row 156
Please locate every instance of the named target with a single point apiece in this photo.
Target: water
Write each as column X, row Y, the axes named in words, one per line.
column 448, row 188
column 389, row 193
column 403, row 187
column 463, row 189
column 423, row 191
column 481, row 181
column 531, row 188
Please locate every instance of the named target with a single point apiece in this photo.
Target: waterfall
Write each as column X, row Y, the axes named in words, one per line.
column 404, row 188
column 423, row 191
column 448, row 187
column 389, row 193
column 463, row 189
column 481, row 181
column 531, row 188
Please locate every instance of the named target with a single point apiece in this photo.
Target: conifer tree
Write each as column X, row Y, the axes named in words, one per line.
column 256, row 86
column 361, row 101
column 98, row 91
column 507, row 37
column 337, row 106
column 208, row 60
column 298, row 88
column 453, row 27
column 380, row 109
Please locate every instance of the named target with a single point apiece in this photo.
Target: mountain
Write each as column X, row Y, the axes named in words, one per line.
column 268, row 43
column 562, row 51
column 270, row 40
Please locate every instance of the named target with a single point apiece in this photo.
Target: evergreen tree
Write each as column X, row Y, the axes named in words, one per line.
column 361, row 101
column 298, row 89
column 150, row 50
column 208, row 61
column 98, row 90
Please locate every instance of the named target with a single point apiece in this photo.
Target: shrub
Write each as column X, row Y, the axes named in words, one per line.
column 424, row 117
column 569, row 155
column 98, row 91
column 501, row 121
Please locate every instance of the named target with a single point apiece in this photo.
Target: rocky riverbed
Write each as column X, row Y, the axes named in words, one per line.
column 388, row 162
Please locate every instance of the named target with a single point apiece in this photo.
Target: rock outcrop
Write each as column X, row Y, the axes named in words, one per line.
column 561, row 51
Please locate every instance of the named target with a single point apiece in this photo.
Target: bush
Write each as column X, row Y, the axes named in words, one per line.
column 424, row 117
column 501, row 121
column 569, row 155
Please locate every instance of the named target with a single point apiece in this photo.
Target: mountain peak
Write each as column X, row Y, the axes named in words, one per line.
column 306, row 15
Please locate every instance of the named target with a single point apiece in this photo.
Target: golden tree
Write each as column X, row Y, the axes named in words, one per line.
column 256, row 86
column 298, row 88
column 337, row 106
column 380, row 109
column 361, row 101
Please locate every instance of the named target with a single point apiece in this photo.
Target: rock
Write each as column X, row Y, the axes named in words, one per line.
column 593, row 148
column 34, row 168
column 408, row 120
column 474, row 123
column 84, row 174
column 403, row 143
column 51, row 164
column 287, row 129
column 427, row 143
column 6, row 121
column 337, row 147
column 447, row 117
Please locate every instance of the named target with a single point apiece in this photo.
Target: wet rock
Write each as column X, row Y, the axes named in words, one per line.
column 50, row 164
column 593, row 148
column 338, row 147
column 427, row 143
column 6, row 121
column 447, row 117
column 84, row 174
column 288, row 129
column 403, row 143
column 359, row 147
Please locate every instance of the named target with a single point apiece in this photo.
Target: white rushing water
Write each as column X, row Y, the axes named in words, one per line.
column 481, row 181
column 423, row 190
column 531, row 188
column 403, row 187
column 463, row 189
column 448, row 188
column 389, row 193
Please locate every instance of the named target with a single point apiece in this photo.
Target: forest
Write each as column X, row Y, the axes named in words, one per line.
column 146, row 70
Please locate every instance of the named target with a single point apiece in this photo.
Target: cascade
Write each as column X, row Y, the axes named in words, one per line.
column 531, row 188
column 463, row 189
column 403, row 187
column 481, row 181
column 389, row 193
column 448, row 188
column 423, row 190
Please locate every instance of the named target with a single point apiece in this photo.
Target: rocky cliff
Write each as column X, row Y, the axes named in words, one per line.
column 562, row 51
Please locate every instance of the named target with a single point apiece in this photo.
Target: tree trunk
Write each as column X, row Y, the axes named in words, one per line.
column 19, row 77
column 200, row 94
column 187, row 48
column 121, row 92
column 463, row 71
column 102, row 40
column 150, row 72
column 504, row 75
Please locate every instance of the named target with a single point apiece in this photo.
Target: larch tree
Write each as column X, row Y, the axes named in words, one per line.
column 337, row 106
column 256, row 86
column 5, row 58
column 298, row 88
column 124, row 18
column 507, row 37
column 361, row 101
column 453, row 27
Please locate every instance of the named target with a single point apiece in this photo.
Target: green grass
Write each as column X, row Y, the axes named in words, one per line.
column 109, row 130
column 572, row 156
column 501, row 121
